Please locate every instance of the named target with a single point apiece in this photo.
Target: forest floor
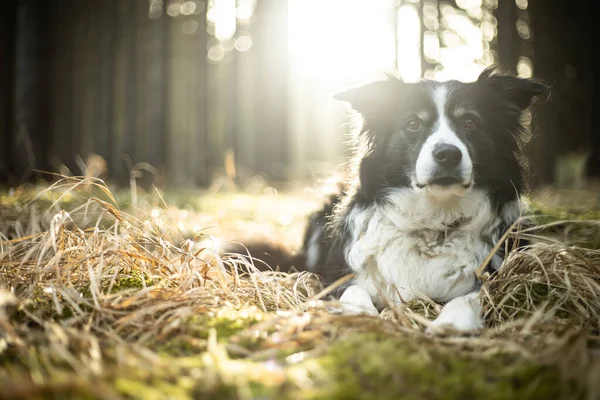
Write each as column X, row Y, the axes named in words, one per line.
column 124, row 295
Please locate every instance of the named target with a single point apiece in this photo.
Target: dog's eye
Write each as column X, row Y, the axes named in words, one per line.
column 413, row 124
column 469, row 124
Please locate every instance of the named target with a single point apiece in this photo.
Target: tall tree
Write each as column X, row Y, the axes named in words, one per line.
column 563, row 59
column 27, row 142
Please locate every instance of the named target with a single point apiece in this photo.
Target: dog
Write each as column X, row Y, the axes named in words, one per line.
column 435, row 182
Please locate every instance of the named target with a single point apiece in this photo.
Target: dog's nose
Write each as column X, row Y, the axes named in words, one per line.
column 447, row 155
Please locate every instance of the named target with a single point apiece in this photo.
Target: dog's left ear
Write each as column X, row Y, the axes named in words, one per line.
column 518, row 91
column 367, row 97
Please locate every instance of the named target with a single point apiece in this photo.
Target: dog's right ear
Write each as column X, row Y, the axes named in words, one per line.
column 519, row 91
column 366, row 98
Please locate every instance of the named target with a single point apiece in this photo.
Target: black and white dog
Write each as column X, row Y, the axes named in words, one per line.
column 435, row 184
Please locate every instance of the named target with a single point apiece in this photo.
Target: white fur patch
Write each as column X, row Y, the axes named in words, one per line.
column 426, row 164
column 412, row 245
column 462, row 314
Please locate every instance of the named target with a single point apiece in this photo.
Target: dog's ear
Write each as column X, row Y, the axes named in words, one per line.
column 519, row 91
column 368, row 97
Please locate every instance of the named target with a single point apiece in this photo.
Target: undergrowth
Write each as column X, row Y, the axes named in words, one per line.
column 96, row 302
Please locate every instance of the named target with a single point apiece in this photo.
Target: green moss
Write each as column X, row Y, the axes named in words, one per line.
column 40, row 300
column 156, row 388
column 227, row 326
column 190, row 338
column 356, row 366
column 40, row 303
column 367, row 366
column 545, row 214
column 134, row 281
column 582, row 228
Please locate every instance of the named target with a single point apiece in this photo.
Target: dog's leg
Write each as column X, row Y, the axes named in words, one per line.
column 356, row 300
column 461, row 314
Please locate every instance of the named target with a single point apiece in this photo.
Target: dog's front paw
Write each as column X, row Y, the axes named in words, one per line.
column 460, row 316
column 357, row 300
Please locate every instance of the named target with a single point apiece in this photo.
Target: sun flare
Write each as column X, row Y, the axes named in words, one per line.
column 336, row 42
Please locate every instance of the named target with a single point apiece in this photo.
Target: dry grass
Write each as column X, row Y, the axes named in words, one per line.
column 99, row 303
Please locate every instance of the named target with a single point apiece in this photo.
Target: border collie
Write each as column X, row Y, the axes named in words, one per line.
column 435, row 184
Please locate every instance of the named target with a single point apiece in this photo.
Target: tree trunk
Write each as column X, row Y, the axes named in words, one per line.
column 29, row 127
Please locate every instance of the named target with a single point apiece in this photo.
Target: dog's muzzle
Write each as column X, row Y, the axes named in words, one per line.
column 447, row 170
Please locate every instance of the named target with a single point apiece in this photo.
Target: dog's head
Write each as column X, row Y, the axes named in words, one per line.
column 442, row 138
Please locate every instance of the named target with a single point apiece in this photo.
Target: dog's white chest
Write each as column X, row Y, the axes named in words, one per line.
column 403, row 262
